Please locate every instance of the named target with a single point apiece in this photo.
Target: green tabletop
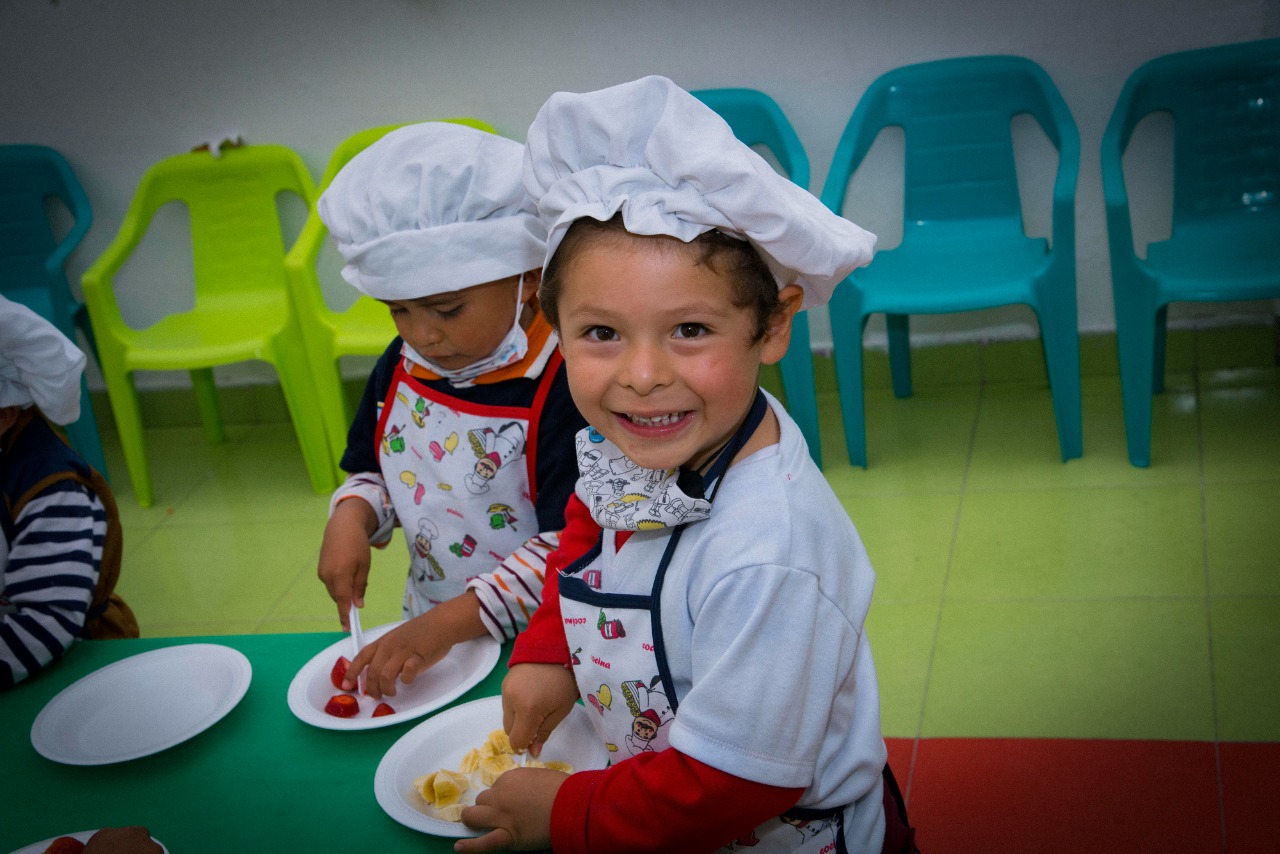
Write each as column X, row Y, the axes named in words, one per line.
column 257, row 780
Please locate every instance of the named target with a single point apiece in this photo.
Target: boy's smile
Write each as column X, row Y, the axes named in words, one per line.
column 659, row 358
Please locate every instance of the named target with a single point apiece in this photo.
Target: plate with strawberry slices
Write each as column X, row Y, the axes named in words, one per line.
column 316, row 696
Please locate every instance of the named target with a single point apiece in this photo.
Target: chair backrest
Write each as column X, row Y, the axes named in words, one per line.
column 30, row 175
column 956, row 116
column 757, row 119
column 1225, row 104
column 236, row 239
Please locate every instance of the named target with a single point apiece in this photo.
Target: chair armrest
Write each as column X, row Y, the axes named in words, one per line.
column 854, row 144
column 73, row 196
column 99, row 294
column 300, row 263
column 1115, row 139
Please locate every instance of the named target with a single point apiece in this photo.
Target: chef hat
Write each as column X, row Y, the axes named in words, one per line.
column 38, row 365
column 672, row 166
column 432, row 208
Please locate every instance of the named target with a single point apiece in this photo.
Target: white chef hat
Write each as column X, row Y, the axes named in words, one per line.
column 38, row 365
column 431, row 208
column 672, row 166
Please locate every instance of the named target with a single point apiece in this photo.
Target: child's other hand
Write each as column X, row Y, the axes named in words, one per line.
column 535, row 699
column 518, row 808
column 408, row 650
column 345, row 555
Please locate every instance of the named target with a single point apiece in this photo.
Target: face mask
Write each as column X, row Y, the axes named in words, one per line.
column 511, row 350
column 622, row 496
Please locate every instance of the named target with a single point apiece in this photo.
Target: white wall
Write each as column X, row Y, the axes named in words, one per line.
column 118, row 85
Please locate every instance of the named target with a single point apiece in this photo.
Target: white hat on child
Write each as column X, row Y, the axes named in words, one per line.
column 38, row 365
column 672, row 166
column 431, row 208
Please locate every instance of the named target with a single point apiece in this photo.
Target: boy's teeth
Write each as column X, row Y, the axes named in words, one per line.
column 656, row 421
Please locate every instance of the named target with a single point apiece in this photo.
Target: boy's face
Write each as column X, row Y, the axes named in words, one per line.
column 659, row 359
column 460, row 328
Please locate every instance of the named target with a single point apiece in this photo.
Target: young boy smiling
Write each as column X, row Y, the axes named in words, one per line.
column 720, row 610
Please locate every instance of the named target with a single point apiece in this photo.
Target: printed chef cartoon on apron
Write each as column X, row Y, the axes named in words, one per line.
column 458, row 474
column 618, row 653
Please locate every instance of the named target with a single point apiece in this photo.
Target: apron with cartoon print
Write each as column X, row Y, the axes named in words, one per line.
column 459, row 475
column 620, row 664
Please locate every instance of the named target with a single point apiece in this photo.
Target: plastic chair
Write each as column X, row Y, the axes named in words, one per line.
column 756, row 119
column 242, row 309
column 963, row 243
column 363, row 329
column 1225, row 238
column 33, row 261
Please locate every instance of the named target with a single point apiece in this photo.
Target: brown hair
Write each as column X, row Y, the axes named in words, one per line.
column 754, row 286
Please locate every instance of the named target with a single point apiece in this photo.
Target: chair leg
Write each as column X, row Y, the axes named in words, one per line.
column 83, row 433
column 848, row 359
column 1158, row 349
column 128, row 414
column 207, row 405
column 799, row 385
column 1061, row 344
column 899, row 329
column 304, row 410
column 1136, row 342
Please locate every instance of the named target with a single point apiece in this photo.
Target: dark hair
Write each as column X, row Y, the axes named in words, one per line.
column 754, row 286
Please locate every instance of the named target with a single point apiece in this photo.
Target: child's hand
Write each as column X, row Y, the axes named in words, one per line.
column 345, row 555
column 407, row 650
column 535, row 699
column 517, row 807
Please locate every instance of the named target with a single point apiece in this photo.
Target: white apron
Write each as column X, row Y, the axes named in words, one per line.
column 459, row 475
column 619, row 663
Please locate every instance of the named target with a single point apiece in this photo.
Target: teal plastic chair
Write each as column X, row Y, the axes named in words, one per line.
column 1225, row 238
column 756, row 119
column 242, row 309
column 963, row 244
column 362, row 329
column 33, row 260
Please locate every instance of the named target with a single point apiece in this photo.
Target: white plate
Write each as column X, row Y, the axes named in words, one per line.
column 141, row 704
column 451, row 677
column 443, row 740
column 83, row 836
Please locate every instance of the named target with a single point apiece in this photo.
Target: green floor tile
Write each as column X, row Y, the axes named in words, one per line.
column 1246, row 668
column 1079, row 544
column 196, row 628
column 1243, row 536
column 1015, row 361
column 307, row 599
column 1241, row 427
column 1112, row 669
column 901, row 636
column 908, row 538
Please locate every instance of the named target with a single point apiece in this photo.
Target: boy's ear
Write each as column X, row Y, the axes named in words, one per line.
column 777, row 335
column 532, row 281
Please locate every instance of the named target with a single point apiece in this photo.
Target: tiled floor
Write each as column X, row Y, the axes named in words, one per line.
column 1072, row 657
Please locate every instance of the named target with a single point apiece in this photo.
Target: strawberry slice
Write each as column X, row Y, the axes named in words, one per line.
column 65, row 845
column 339, row 671
column 383, row 709
column 342, row 706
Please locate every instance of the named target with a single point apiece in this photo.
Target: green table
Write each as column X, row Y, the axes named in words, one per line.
column 257, row 780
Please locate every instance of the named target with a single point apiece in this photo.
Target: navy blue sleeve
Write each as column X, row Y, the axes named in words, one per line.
column 557, row 463
column 361, row 454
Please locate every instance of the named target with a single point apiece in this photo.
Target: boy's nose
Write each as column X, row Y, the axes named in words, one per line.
column 645, row 368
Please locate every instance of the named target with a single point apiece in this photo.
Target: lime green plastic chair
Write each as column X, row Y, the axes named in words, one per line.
column 1225, row 238
column 242, row 308
column 963, row 243
column 364, row 328
column 756, row 119
column 33, row 260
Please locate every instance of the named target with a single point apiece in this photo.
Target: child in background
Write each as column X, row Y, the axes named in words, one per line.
column 715, row 629
column 60, row 537
column 464, row 436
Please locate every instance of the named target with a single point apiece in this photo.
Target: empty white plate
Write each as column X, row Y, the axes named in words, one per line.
column 141, row 704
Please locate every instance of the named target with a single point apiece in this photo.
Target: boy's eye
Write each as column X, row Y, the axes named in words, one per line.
column 601, row 333
column 397, row 309
column 447, row 313
column 690, row 330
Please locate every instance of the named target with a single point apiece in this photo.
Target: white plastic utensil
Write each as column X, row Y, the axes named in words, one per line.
column 357, row 641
